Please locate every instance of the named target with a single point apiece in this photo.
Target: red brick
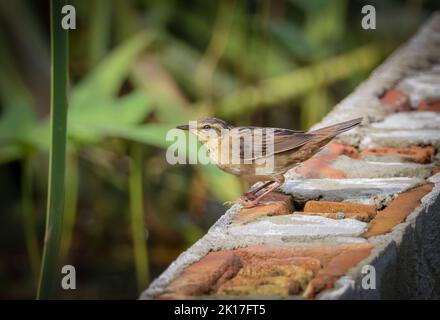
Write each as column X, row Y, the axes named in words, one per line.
column 274, row 204
column 351, row 210
column 415, row 154
column 429, row 105
column 398, row 100
column 315, row 168
column 322, row 253
column 256, row 270
column 397, row 211
column 204, row 276
column 338, row 266
column 271, row 277
column 318, row 167
column 333, row 150
column 436, row 168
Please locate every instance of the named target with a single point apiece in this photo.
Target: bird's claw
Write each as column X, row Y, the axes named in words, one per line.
column 248, row 196
column 248, row 203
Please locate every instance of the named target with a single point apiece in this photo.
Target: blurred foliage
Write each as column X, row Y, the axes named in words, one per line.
column 137, row 69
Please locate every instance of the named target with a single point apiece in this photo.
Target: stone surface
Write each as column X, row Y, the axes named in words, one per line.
column 275, row 204
column 409, row 121
column 402, row 138
column 375, row 169
column 421, row 155
column 423, row 85
column 397, row 100
column 397, row 211
column 367, row 191
column 300, row 226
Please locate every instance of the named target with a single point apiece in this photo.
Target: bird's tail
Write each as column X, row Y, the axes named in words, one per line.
column 338, row 128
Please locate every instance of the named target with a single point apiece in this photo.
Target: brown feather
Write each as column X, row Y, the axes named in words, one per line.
column 283, row 140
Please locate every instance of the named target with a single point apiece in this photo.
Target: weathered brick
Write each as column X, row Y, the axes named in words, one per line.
column 350, row 209
column 416, row 154
column 397, row 211
column 318, row 167
column 274, row 204
column 338, row 266
column 397, row 100
column 333, row 150
column 361, row 216
column 429, row 105
column 436, row 168
column 204, row 276
column 315, row 168
column 256, row 270
column 263, row 279
column 323, row 253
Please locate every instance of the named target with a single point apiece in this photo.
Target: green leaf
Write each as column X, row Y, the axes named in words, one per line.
column 152, row 134
column 103, row 83
column 16, row 123
column 93, row 123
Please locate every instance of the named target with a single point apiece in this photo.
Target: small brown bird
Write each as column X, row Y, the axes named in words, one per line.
column 261, row 154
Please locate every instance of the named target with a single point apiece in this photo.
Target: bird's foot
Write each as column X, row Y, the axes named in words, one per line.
column 248, row 203
column 251, row 204
column 244, row 200
column 248, row 196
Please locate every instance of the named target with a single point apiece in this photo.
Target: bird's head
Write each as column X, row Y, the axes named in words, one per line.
column 207, row 130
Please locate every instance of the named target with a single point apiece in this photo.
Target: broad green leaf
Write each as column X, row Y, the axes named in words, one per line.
column 16, row 123
column 152, row 134
column 89, row 125
column 103, row 83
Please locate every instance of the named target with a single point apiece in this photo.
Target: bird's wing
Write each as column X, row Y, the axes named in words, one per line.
column 257, row 142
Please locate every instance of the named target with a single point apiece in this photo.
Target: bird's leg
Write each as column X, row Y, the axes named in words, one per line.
column 252, row 194
column 256, row 201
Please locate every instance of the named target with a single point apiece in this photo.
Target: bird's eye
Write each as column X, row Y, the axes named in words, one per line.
column 206, row 127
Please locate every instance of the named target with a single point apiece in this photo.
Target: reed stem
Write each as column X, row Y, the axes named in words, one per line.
column 57, row 153
column 138, row 232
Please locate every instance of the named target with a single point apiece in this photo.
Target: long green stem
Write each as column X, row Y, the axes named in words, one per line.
column 57, row 153
column 137, row 217
column 30, row 230
column 99, row 30
column 70, row 205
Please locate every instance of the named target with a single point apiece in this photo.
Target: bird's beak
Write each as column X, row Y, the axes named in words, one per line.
column 183, row 127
